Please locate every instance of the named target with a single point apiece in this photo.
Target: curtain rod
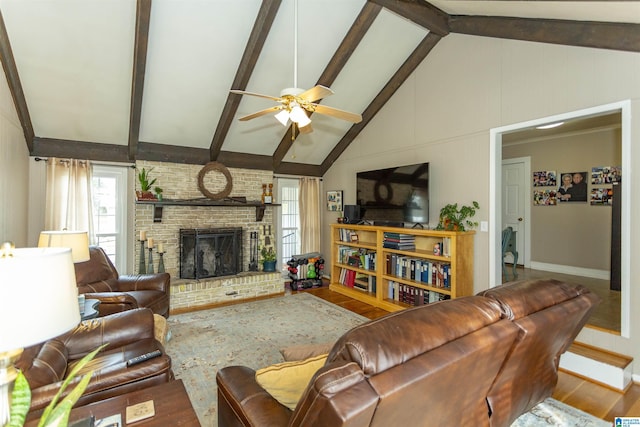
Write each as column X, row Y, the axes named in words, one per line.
column 295, row 176
column 132, row 166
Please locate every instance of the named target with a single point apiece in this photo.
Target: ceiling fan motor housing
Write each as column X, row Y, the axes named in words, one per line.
column 291, row 91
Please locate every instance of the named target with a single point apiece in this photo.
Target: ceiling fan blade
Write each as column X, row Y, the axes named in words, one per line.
column 259, row 113
column 306, row 129
column 242, row 92
column 315, row 93
column 339, row 114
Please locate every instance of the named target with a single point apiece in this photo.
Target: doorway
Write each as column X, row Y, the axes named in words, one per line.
column 496, row 222
column 515, row 209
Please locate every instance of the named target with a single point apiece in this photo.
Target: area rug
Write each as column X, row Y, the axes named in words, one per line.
column 554, row 413
column 252, row 334
column 249, row 334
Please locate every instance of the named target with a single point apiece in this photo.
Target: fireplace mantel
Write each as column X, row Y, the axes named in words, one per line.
column 235, row 203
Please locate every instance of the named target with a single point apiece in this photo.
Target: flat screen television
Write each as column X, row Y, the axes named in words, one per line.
column 398, row 194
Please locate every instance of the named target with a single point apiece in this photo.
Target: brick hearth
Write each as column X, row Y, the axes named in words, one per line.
column 180, row 181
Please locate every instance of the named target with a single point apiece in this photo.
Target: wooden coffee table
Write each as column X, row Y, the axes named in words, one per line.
column 171, row 403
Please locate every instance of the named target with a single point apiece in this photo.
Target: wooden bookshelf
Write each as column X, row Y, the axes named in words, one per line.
column 364, row 269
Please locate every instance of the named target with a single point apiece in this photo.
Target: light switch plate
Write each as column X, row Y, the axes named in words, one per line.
column 484, row 226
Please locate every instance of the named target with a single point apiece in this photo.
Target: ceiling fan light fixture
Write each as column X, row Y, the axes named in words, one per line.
column 283, row 117
column 298, row 115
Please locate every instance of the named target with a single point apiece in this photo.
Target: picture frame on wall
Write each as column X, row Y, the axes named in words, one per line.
column 573, row 187
column 334, row 201
column 606, row 175
column 544, row 179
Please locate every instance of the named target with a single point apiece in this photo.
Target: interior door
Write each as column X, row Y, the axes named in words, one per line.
column 514, row 197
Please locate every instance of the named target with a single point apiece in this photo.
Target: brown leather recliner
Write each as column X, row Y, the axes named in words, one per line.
column 99, row 279
column 128, row 334
column 550, row 314
column 481, row 360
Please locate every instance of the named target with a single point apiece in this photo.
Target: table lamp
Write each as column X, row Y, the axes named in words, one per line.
column 78, row 241
column 35, row 283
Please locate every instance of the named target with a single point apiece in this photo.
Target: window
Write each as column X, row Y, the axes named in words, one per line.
column 289, row 219
column 109, row 189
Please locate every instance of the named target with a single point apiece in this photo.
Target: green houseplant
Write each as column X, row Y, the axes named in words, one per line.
column 158, row 191
column 145, row 185
column 454, row 218
column 57, row 412
column 268, row 258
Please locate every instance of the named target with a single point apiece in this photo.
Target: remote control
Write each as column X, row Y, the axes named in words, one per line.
column 143, row 357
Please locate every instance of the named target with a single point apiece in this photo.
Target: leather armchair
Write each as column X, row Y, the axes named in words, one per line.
column 99, row 279
column 128, row 334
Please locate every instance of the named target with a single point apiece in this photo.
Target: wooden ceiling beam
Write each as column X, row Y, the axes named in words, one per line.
column 601, row 35
column 358, row 29
column 143, row 18
column 15, row 86
column 405, row 70
column 422, row 13
column 50, row 147
column 252, row 51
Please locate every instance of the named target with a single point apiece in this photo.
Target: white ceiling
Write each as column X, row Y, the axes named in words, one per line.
column 75, row 61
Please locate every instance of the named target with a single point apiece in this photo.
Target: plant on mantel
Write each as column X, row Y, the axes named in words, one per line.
column 453, row 218
column 146, row 183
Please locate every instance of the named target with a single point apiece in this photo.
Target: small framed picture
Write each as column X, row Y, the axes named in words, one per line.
column 354, row 237
column 334, row 201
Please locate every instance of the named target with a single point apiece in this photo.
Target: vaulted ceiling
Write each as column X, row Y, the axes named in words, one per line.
column 122, row 80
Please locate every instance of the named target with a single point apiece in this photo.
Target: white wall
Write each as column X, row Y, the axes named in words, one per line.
column 14, row 171
column 468, row 85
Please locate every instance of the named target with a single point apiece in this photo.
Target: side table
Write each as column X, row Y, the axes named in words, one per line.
column 170, row 400
column 90, row 309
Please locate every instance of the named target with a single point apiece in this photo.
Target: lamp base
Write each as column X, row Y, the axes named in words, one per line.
column 8, row 374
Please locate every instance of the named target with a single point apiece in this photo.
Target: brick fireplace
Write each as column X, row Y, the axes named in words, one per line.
column 179, row 181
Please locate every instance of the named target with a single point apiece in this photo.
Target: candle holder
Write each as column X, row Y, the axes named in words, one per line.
column 141, row 267
column 161, row 262
column 150, row 263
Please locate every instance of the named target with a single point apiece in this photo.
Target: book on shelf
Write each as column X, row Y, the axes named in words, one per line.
column 361, row 258
column 398, row 241
column 446, row 246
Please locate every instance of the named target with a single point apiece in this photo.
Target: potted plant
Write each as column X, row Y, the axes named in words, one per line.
column 158, row 191
column 57, row 413
column 145, row 185
column 453, row 218
column 268, row 259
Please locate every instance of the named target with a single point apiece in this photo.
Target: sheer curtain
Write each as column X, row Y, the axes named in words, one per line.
column 68, row 195
column 309, row 215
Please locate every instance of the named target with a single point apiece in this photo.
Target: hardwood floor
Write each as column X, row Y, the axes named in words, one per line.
column 605, row 317
column 597, row 400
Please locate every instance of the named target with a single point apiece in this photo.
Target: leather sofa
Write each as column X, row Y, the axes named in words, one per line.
column 481, row 360
column 99, row 279
column 128, row 334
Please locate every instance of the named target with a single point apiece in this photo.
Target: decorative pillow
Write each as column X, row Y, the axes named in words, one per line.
column 305, row 351
column 288, row 380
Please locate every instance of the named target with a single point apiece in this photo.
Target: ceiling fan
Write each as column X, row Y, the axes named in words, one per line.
column 295, row 104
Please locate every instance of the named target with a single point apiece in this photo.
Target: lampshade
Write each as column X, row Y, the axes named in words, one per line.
column 78, row 241
column 298, row 115
column 283, row 117
column 38, row 296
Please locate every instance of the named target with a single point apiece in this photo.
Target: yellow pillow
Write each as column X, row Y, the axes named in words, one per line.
column 287, row 381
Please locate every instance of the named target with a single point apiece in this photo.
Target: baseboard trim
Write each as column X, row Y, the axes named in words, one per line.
column 568, row 269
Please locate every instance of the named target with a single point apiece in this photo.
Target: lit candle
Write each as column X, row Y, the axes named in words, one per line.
column 150, row 242
column 160, row 248
column 143, row 235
